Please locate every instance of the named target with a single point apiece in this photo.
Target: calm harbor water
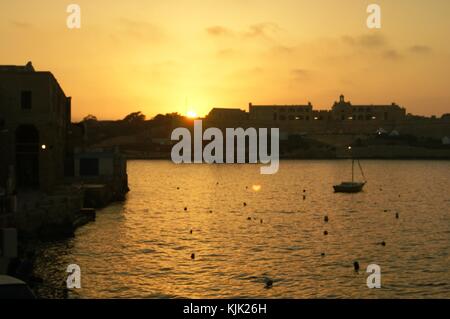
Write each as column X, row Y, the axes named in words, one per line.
column 142, row 248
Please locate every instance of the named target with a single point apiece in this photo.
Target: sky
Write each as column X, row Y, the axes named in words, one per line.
column 192, row 55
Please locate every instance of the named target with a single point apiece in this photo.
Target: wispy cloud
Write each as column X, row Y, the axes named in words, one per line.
column 141, row 30
column 420, row 49
column 21, row 24
column 219, row 31
column 366, row 40
column 265, row 30
column 392, row 54
column 301, row 74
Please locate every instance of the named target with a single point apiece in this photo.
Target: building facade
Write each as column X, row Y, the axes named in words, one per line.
column 34, row 120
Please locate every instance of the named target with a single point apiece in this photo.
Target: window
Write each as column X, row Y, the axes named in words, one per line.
column 25, row 100
column 89, row 167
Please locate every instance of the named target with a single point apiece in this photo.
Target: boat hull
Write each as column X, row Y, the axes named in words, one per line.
column 349, row 187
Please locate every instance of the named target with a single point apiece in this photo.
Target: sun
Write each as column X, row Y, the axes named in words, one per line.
column 191, row 114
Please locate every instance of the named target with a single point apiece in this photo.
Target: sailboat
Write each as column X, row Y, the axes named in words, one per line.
column 351, row 187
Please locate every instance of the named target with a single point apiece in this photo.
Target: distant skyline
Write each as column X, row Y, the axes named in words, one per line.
column 193, row 55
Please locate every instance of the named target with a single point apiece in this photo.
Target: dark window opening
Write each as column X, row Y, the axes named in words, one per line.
column 25, row 100
column 89, row 167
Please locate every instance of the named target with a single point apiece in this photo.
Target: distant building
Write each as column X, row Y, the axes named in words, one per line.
column 344, row 110
column 229, row 114
column 280, row 112
column 34, row 121
column 340, row 111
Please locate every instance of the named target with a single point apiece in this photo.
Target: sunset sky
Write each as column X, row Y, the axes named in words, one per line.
column 192, row 55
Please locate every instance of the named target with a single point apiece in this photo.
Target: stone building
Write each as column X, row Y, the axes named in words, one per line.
column 340, row 111
column 34, row 121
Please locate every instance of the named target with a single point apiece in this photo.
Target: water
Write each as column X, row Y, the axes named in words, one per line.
column 142, row 248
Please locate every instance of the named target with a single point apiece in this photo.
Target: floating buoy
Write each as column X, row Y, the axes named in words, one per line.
column 210, row 211
column 325, row 232
column 245, row 204
column 249, row 218
column 397, row 215
column 185, row 209
column 304, row 191
column 383, row 243
column 178, row 188
column 191, row 231
column 356, row 265
column 269, row 283
column 261, row 221
column 322, row 254
column 304, row 197
column 325, row 219
column 192, row 256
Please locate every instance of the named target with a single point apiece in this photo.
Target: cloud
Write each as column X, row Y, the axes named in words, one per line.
column 420, row 49
column 219, row 31
column 264, row 30
column 282, row 49
column 261, row 30
column 366, row 41
column 301, row 74
column 141, row 30
column 392, row 54
column 226, row 53
column 20, row 24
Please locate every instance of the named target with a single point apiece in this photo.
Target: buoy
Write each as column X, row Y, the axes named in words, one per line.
column 261, row 221
column 192, row 256
column 245, row 204
column 249, row 218
column 185, row 209
column 210, row 211
column 325, row 219
column 322, row 254
column 304, row 191
column 356, row 266
column 325, row 233
column 397, row 215
column 304, row 197
column 269, row 283
column 191, row 231
column 383, row 243
column 178, row 188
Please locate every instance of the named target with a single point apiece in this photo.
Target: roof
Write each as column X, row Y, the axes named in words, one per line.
column 8, row 280
column 17, row 68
